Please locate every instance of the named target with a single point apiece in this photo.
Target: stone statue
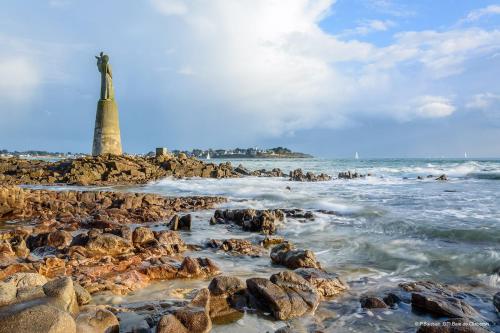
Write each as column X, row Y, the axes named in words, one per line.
column 107, row 91
column 107, row 138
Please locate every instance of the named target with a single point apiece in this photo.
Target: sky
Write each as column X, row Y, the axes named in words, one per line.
column 385, row 78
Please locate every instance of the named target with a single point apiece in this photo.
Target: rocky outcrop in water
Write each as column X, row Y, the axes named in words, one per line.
column 237, row 246
column 108, row 169
column 96, row 209
column 350, row 175
column 287, row 255
column 298, row 175
column 263, row 221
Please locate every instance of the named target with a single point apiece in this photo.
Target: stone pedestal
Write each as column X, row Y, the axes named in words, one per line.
column 107, row 138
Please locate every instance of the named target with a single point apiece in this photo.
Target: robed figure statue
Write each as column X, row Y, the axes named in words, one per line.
column 107, row 91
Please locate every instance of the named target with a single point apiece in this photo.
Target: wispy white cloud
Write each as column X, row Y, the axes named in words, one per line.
column 481, row 12
column 483, row 101
column 170, row 7
column 369, row 26
column 433, row 107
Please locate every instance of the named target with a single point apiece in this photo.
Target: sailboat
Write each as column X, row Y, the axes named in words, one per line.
column 356, row 157
column 208, row 155
column 465, row 155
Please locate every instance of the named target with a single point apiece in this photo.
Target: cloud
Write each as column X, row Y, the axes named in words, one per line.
column 271, row 64
column 19, row 77
column 170, row 7
column 433, row 107
column 368, row 26
column 479, row 13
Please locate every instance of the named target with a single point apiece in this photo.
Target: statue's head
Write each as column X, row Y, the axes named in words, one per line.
column 105, row 58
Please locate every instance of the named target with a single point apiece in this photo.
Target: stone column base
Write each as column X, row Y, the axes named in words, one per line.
column 107, row 138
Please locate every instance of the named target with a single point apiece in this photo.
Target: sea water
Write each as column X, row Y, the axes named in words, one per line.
column 383, row 229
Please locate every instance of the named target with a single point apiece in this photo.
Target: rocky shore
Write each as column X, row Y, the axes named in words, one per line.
column 62, row 252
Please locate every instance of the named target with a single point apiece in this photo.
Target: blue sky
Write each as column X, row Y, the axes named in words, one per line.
column 386, row 78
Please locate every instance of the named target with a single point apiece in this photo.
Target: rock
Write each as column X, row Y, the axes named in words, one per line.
column 285, row 254
column 180, row 223
column 8, row 292
column 439, row 300
column 286, row 295
column 59, row 239
column 225, row 285
column 237, row 246
column 392, row 299
column 24, row 280
column 142, row 235
column 442, row 306
column 108, row 244
column 350, row 175
column 40, row 318
column 371, row 302
column 82, row 295
column 63, row 294
column 225, row 292
column 263, row 221
column 496, row 301
column 194, row 318
column 327, row 284
column 299, row 176
column 197, row 267
column 284, row 329
column 240, row 169
column 443, row 177
column 96, row 319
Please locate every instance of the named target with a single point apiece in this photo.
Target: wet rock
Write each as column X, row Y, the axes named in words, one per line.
column 263, row 221
column 108, row 244
column 240, row 169
column 284, row 329
column 276, row 172
column 224, row 294
column 142, row 235
column 350, row 175
column 194, row 318
column 496, row 301
column 392, row 299
column 299, row 176
column 327, row 284
column 96, row 319
column 180, row 223
column 286, row 255
column 269, row 241
column 197, row 267
column 371, row 302
column 237, row 246
column 286, row 295
column 439, row 300
column 443, row 177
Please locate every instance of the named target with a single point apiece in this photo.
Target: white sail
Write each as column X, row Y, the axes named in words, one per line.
column 208, row 155
column 356, row 156
column 465, row 155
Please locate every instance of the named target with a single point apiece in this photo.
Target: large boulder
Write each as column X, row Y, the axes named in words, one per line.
column 327, row 284
column 286, row 255
column 96, row 319
column 193, row 318
column 108, row 244
column 26, row 280
column 286, row 295
column 61, row 294
column 224, row 294
column 32, row 317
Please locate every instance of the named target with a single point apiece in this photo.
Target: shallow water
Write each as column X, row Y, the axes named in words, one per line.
column 386, row 229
